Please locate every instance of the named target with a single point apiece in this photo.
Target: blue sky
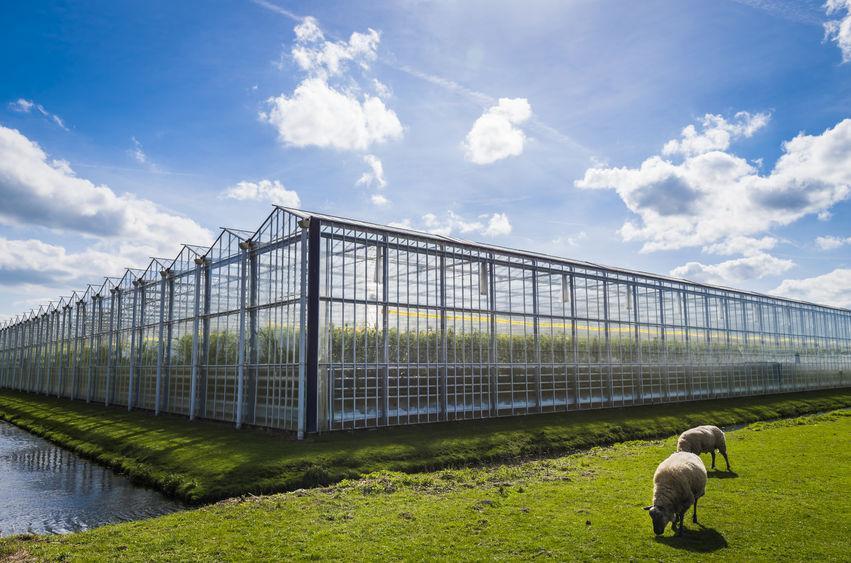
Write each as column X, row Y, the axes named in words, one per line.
column 128, row 128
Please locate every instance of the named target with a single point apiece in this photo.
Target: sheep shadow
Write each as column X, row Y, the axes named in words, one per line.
column 703, row 540
column 718, row 474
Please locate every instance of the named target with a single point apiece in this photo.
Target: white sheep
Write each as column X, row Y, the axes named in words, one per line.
column 703, row 439
column 677, row 484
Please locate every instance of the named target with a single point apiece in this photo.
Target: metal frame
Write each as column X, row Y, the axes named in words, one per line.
column 314, row 323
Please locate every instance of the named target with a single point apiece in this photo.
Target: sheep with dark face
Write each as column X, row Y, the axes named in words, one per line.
column 704, row 439
column 677, row 484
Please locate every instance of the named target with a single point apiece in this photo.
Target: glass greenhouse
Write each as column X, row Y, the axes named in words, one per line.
column 314, row 323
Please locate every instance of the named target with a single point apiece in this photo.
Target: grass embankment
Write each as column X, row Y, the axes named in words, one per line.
column 787, row 500
column 204, row 461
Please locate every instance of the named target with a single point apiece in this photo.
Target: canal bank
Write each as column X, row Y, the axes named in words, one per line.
column 47, row 489
column 206, row 461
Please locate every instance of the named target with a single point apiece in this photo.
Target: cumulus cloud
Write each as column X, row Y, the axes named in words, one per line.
column 495, row 134
column 839, row 30
column 375, row 175
column 831, row 242
column 36, row 263
column 36, row 190
column 494, row 225
column 747, row 246
column 707, row 197
column 263, row 190
column 319, row 113
column 833, row 288
column 716, row 133
column 754, row 266
column 498, row 225
column 22, row 105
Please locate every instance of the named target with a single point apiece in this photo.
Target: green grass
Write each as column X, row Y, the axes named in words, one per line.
column 788, row 500
column 204, row 461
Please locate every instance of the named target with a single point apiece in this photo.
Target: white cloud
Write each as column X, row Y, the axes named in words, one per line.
column 36, row 263
column 379, row 200
column 712, row 196
column 313, row 54
column 831, row 242
column 494, row 135
column 493, row 225
column 498, row 225
column 755, row 266
column 38, row 191
column 833, row 288
column 326, row 115
column 26, row 106
column 839, row 30
column 746, row 246
column 318, row 114
column 716, row 133
column 824, row 215
column 264, row 190
column 375, row 175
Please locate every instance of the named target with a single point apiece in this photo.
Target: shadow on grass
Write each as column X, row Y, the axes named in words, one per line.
column 703, row 540
column 718, row 474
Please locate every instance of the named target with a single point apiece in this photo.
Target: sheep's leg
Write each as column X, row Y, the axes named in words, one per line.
column 726, row 459
column 682, row 525
column 694, row 514
column 713, row 458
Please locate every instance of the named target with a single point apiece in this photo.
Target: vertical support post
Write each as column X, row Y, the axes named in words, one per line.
column 79, row 347
column 302, row 334
column 610, row 388
column 243, row 290
column 312, row 372
column 689, row 363
column 729, row 342
column 444, row 343
column 204, row 353
column 52, row 331
column 383, row 255
column 637, row 318
column 110, row 352
column 90, row 361
column 536, row 333
column 494, row 370
column 253, row 328
column 160, row 343
column 169, row 334
column 63, row 349
column 196, row 321
column 664, row 351
column 133, row 319
column 709, row 351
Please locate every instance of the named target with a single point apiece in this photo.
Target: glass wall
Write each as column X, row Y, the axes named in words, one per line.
column 314, row 323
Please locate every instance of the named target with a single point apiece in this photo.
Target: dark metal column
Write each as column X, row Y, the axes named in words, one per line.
column 312, row 367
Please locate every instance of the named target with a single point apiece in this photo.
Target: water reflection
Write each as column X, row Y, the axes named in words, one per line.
column 45, row 489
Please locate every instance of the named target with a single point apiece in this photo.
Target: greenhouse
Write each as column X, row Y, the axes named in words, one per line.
column 314, row 323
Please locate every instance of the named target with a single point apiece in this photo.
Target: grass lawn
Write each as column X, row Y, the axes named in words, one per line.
column 788, row 500
column 204, row 461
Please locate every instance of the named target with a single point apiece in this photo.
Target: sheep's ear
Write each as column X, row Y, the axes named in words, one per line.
column 648, row 507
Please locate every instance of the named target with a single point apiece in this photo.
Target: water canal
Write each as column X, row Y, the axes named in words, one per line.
column 46, row 489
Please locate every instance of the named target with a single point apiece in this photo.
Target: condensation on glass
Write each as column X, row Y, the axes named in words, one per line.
column 315, row 323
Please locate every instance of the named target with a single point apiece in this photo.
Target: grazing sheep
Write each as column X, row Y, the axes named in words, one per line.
column 704, row 439
column 677, row 484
